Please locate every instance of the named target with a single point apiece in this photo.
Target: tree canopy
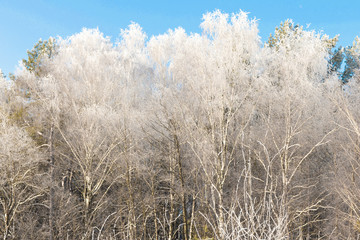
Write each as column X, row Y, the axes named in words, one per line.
column 211, row 135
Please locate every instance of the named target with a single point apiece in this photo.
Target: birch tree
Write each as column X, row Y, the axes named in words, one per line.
column 20, row 179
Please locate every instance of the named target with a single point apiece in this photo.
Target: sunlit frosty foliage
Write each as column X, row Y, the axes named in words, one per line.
column 211, row 135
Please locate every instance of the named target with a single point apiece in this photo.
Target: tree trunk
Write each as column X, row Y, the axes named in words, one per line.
column 154, row 209
column 171, row 201
column 181, row 176
column 52, row 190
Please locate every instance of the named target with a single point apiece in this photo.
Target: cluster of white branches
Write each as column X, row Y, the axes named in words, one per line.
column 192, row 136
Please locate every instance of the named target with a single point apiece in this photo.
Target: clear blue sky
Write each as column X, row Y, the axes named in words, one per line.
column 23, row 22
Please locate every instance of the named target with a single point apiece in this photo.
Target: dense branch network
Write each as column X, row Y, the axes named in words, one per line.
column 183, row 136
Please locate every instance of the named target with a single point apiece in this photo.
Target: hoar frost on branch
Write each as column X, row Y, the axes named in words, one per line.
column 184, row 136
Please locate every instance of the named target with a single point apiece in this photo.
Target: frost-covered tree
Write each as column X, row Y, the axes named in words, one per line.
column 20, row 181
column 346, row 161
column 189, row 136
column 237, row 95
column 91, row 92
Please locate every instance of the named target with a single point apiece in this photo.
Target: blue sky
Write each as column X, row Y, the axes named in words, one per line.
column 24, row 22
